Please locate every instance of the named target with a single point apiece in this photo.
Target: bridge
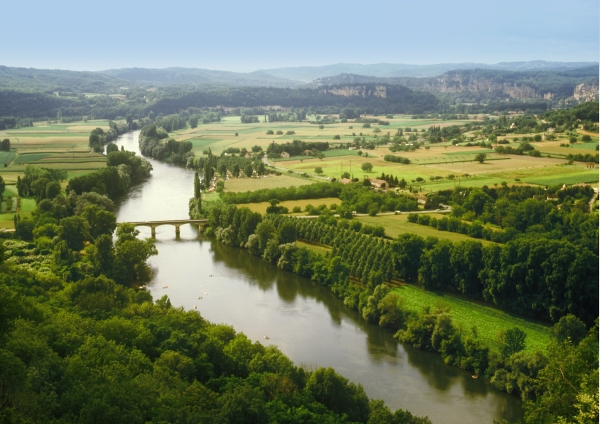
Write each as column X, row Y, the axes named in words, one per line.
column 177, row 223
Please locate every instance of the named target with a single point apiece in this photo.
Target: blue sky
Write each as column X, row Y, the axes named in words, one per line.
column 250, row 35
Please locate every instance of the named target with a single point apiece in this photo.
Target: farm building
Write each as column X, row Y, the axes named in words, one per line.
column 378, row 183
column 285, row 155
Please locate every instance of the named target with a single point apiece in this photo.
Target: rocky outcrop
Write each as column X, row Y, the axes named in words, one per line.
column 586, row 91
column 358, row 90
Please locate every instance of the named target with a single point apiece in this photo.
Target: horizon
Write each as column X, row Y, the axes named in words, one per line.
column 242, row 37
column 583, row 62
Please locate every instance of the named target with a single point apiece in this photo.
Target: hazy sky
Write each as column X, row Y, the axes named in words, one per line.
column 249, row 35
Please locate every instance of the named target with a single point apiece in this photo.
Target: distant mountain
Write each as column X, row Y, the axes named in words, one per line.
column 492, row 84
column 387, row 70
column 51, row 80
column 194, row 76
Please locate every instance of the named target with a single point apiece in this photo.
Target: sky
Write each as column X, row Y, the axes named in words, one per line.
column 245, row 36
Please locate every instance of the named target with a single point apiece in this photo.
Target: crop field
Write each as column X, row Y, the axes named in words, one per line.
column 290, row 204
column 252, row 184
column 398, row 224
column 51, row 145
column 468, row 314
column 572, row 178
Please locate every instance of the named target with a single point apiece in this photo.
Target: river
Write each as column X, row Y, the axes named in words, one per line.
column 307, row 322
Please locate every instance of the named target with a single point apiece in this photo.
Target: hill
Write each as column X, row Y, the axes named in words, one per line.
column 193, row 76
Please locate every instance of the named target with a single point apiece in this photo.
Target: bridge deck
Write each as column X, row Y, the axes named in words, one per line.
column 167, row 222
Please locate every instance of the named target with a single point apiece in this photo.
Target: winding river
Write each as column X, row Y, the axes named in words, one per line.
column 307, row 322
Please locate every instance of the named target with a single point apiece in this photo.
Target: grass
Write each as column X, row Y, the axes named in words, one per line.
column 290, row 204
column 30, row 157
column 467, row 314
column 253, row 184
column 574, row 178
column 315, row 247
column 398, row 224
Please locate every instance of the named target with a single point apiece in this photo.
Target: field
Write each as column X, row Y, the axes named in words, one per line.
column 317, row 248
column 63, row 146
column 398, row 224
column 467, row 314
column 253, row 184
column 290, row 204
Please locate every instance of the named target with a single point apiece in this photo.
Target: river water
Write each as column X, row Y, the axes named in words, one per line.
column 307, row 322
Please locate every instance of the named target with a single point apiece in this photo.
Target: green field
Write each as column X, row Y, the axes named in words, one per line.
column 398, row 224
column 253, row 184
column 467, row 314
column 573, row 178
column 290, row 204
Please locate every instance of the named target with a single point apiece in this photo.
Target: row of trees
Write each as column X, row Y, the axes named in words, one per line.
column 396, row 159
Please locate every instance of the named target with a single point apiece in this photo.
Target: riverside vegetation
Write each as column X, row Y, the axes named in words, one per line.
column 80, row 342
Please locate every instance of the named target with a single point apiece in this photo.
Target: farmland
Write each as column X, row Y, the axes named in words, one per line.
column 468, row 314
column 435, row 167
column 63, row 146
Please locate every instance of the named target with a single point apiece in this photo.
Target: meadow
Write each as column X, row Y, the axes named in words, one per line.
column 398, row 224
column 467, row 314
column 290, row 204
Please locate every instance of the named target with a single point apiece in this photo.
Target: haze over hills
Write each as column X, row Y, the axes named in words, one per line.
column 310, row 73
column 193, row 76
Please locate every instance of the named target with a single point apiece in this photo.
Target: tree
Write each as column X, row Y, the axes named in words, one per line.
column 104, row 254
column 480, row 157
column 586, row 139
column 318, row 170
column 74, row 230
column 248, row 169
column 2, row 186
column 569, row 329
column 511, row 341
column 100, row 221
column 367, row 167
column 52, row 189
column 5, row 146
column 197, row 192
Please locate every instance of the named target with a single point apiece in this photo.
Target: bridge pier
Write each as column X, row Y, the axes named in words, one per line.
column 153, row 228
column 177, row 230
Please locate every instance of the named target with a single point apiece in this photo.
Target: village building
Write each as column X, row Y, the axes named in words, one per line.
column 285, row 155
column 375, row 182
column 345, row 180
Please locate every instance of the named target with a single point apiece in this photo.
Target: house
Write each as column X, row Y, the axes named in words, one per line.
column 513, row 126
column 308, row 152
column 553, row 197
column 345, row 180
column 375, row 182
column 285, row 155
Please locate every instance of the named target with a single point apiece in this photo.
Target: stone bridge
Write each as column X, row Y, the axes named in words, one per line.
column 177, row 223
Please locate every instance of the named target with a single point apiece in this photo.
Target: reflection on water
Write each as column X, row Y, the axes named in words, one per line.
column 307, row 322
